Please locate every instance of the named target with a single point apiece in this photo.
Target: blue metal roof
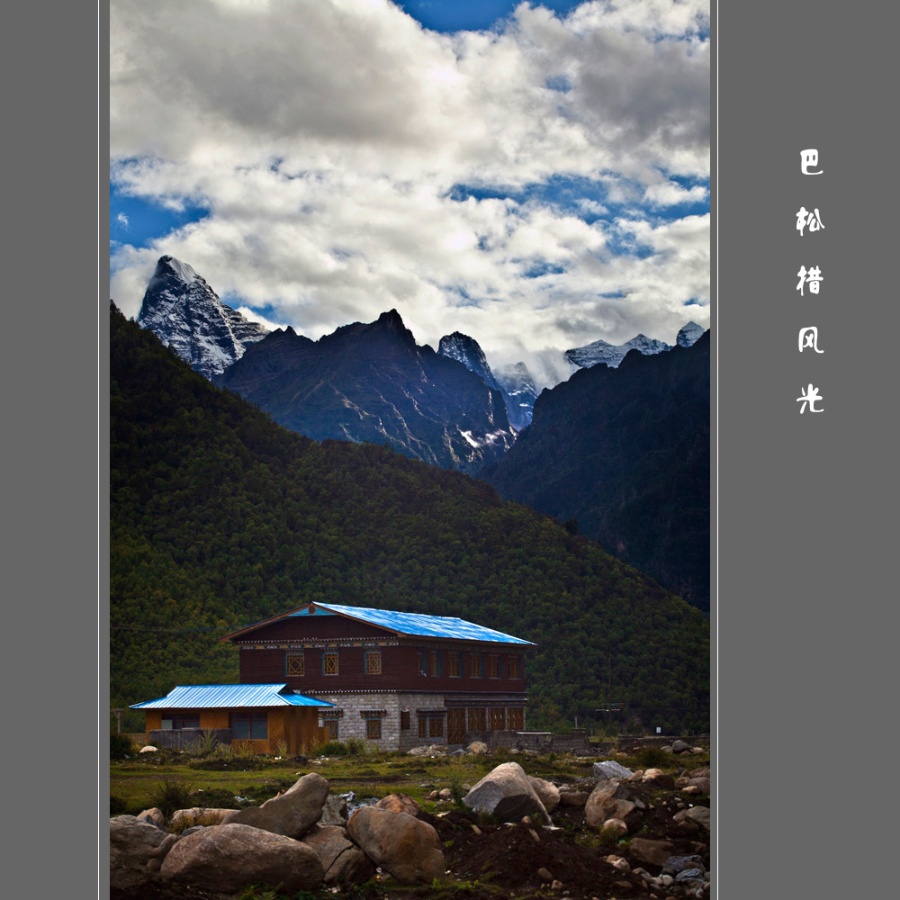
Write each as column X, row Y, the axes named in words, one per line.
column 210, row 696
column 420, row 625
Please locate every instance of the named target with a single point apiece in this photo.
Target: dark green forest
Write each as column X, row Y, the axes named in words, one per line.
column 219, row 517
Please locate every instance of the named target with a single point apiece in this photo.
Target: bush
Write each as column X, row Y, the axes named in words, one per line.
column 120, row 747
column 172, row 795
column 653, row 757
column 333, row 748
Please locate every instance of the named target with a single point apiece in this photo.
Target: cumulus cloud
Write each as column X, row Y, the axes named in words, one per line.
column 326, row 141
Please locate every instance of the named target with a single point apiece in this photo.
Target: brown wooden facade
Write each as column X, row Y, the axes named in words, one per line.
column 289, row 730
column 330, row 653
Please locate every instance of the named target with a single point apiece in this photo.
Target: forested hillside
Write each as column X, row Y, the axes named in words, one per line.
column 219, row 517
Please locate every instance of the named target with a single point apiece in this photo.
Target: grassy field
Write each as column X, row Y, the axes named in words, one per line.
column 138, row 783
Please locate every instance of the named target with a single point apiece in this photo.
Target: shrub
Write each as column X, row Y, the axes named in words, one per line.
column 356, row 747
column 120, row 747
column 333, row 748
column 652, row 757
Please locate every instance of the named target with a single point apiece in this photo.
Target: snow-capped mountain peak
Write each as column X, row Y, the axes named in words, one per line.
column 186, row 314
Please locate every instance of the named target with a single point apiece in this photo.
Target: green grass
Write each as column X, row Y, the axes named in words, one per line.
column 136, row 782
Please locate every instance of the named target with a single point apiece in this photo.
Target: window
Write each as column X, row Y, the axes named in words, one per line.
column 373, row 719
column 476, row 665
column 330, row 662
column 514, row 667
column 515, row 719
column 176, row 720
column 404, row 720
column 294, row 664
column 477, row 719
column 436, row 726
column 421, row 664
column 496, row 718
column 249, row 725
column 495, row 669
column 454, row 665
column 331, row 721
column 373, row 729
column 373, row 662
column 423, row 726
column 434, row 662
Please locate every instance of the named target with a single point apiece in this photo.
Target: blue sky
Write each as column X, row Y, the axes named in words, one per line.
column 534, row 175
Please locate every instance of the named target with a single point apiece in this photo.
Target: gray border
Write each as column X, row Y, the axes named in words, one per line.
column 806, row 502
column 50, row 464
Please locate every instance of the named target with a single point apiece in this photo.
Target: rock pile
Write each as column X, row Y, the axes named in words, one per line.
column 641, row 833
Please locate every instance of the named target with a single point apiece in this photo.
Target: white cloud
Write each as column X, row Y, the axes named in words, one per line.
column 324, row 139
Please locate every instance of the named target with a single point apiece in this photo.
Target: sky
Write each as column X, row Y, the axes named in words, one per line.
column 534, row 175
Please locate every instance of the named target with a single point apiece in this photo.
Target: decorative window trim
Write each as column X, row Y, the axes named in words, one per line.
column 331, row 661
column 372, row 662
column 295, row 664
column 373, row 713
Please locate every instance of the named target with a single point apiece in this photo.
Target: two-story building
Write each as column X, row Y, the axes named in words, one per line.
column 397, row 680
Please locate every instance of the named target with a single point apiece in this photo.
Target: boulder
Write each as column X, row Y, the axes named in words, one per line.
column 292, row 813
column 607, row 769
column 342, row 860
column 680, row 747
column 659, row 779
column 224, row 858
column 611, row 800
column 149, row 748
column 615, row 826
column 398, row 803
column 506, row 792
column 406, row 847
column 477, row 747
column 334, row 812
column 696, row 815
column 573, row 798
column 197, row 815
column 154, row 816
column 547, row 792
column 432, row 750
column 651, row 853
column 136, row 852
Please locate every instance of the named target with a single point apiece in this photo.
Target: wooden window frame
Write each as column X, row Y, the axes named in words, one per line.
column 373, row 729
column 454, row 664
column 372, row 662
column 331, row 654
column 476, row 665
column 294, row 660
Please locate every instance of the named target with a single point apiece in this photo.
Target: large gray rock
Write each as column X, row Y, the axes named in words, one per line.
column 225, row 858
column 292, row 813
column 506, row 792
column 342, row 860
column 407, row 848
column 607, row 769
column 136, row 852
